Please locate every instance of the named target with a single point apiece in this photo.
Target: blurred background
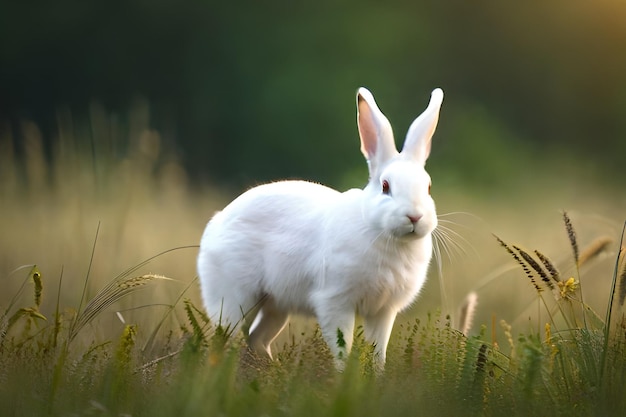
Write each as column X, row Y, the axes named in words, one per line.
column 146, row 116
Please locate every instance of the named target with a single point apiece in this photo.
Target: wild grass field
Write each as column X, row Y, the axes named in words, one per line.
column 100, row 311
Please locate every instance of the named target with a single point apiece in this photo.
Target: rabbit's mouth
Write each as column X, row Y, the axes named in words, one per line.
column 413, row 230
column 409, row 231
column 414, row 224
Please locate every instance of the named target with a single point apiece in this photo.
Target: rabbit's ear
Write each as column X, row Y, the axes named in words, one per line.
column 377, row 144
column 419, row 136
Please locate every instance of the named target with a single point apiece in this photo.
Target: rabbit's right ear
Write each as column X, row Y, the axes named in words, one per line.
column 377, row 143
column 420, row 134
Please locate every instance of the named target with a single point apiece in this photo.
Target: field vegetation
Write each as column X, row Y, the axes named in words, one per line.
column 101, row 208
column 100, row 311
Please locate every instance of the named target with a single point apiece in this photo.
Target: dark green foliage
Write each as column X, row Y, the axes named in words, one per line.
column 255, row 91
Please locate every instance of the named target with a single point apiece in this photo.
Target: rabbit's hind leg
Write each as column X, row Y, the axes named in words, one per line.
column 268, row 323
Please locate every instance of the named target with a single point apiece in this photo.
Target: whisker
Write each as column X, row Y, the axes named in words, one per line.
column 452, row 222
column 455, row 213
column 445, row 223
column 442, row 243
column 438, row 260
column 455, row 242
column 437, row 251
column 451, row 244
column 453, row 233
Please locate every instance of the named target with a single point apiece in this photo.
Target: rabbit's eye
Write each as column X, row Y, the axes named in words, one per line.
column 429, row 184
column 386, row 189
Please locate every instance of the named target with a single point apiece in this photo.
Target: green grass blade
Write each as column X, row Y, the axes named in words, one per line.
column 609, row 307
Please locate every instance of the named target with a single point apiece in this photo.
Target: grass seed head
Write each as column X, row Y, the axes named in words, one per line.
column 550, row 267
column 468, row 310
column 594, row 249
column 126, row 344
column 508, row 333
column 534, row 265
column 548, row 330
column 571, row 234
column 36, row 275
column 138, row 281
column 521, row 262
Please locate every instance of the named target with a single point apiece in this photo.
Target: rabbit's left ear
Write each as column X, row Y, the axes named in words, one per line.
column 377, row 144
column 420, row 134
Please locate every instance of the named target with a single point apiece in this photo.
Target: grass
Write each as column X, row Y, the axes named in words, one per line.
column 82, row 333
column 200, row 369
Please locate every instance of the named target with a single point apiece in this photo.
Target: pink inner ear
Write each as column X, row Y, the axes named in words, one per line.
column 367, row 129
column 427, row 147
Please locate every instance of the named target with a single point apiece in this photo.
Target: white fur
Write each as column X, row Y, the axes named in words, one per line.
column 300, row 247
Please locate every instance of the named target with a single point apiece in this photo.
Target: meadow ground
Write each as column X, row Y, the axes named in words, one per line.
column 100, row 311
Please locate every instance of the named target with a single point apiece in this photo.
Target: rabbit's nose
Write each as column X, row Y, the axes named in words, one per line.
column 414, row 219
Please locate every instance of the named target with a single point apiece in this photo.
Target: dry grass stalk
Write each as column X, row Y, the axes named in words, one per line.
column 550, row 267
column 38, row 287
column 468, row 310
column 138, row 281
column 594, row 249
column 622, row 276
column 534, row 265
column 109, row 295
column 521, row 262
column 571, row 234
column 508, row 333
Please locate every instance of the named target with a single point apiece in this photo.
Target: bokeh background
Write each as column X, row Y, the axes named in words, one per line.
column 249, row 91
column 146, row 116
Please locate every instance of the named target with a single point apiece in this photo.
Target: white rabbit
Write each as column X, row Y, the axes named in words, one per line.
column 300, row 247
